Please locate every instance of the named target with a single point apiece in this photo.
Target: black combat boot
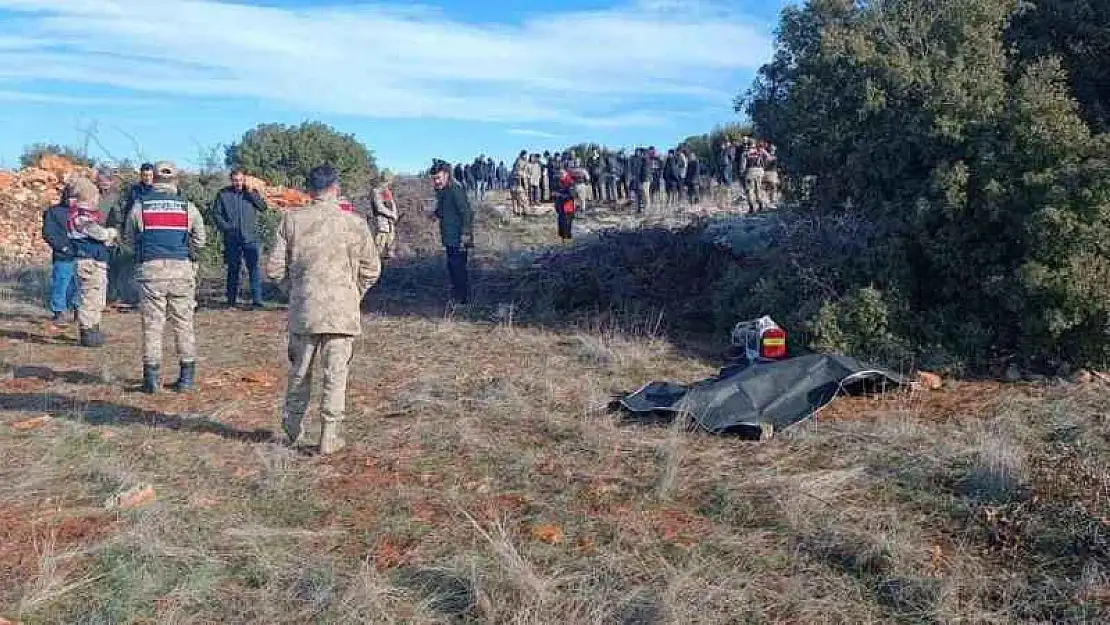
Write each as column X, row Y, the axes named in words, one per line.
column 185, row 380
column 150, row 379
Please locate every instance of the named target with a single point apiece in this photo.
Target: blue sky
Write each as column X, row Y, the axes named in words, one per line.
column 449, row 79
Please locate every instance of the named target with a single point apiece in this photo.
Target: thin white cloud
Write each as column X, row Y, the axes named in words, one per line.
column 633, row 65
column 11, row 95
column 530, row 132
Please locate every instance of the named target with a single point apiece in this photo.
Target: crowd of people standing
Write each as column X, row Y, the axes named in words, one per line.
column 645, row 177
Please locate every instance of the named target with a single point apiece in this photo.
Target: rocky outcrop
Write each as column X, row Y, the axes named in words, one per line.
column 24, row 195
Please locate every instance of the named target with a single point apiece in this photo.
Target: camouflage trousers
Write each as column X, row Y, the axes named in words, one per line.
column 92, row 283
column 334, row 353
column 384, row 241
column 172, row 300
column 757, row 195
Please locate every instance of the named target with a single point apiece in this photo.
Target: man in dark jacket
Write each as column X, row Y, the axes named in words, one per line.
column 672, row 178
column 594, row 167
column 236, row 213
column 456, row 229
column 63, row 272
column 622, row 176
column 693, row 178
column 655, row 167
column 609, row 177
column 639, row 179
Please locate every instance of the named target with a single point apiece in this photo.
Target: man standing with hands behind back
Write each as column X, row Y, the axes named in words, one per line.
column 326, row 259
column 236, row 213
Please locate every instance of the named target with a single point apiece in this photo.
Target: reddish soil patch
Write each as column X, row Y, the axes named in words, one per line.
column 964, row 400
column 26, row 535
column 391, row 553
column 22, row 385
column 669, row 525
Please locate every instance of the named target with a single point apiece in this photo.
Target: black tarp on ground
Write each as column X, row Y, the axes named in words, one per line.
column 761, row 397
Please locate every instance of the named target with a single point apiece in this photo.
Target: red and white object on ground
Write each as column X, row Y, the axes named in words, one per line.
column 760, row 340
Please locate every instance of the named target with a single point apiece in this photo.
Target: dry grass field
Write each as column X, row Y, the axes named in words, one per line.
column 487, row 483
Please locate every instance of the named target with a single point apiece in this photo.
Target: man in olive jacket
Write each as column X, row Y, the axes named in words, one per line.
column 456, row 229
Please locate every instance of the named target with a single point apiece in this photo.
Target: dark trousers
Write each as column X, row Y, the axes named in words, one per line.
column 457, row 272
column 565, row 221
column 121, row 278
column 237, row 252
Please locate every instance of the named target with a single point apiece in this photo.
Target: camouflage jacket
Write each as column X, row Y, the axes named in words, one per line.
column 326, row 260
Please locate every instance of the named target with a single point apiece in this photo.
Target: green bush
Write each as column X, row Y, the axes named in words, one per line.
column 861, row 324
column 201, row 190
column 708, row 146
column 284, row 155
column 984, row 193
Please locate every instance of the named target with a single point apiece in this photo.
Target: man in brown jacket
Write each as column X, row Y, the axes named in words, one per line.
column 326, row 259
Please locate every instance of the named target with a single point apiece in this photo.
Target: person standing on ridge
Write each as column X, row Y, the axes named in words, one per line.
column 693, row 178
column 672, row 179
column 594, row 167
column 563, row 196
column 756, row 162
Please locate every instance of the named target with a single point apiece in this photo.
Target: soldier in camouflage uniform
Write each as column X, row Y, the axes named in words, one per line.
column 385, row 216
column 167, row 233
column 326, row 259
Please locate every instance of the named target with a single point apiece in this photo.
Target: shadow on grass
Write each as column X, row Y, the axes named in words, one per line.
column 99, row 412
column 38, row 339
column 20, row 317
column 447, row 593
column 50, row 375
